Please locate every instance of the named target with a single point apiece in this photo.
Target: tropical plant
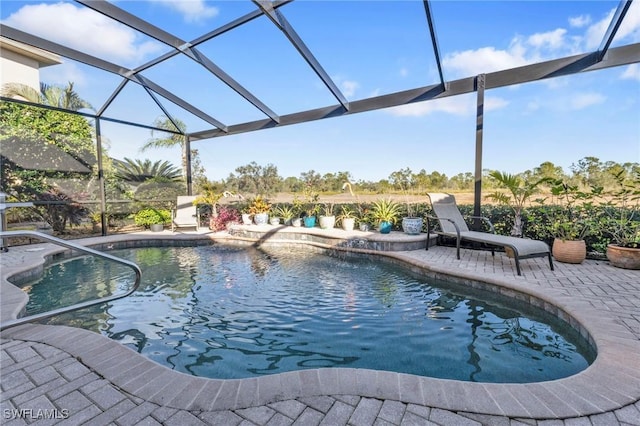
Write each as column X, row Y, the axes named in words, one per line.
column 622, row 212
column 519, row 191
column 327, row 209
column 143, row 170
column 286, row 212
column 226, row 215
column 311, row 206
column 173, row 137
column 60, row 209
column 346, row 212
column 151, row 216
column 56, row 96
column 259, row 205
column 385, row 210
column 571, row 220
column 211, row 193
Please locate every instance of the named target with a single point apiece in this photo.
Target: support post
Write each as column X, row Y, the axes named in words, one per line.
column 187, row 156
column 477, row 199
column 101, row 181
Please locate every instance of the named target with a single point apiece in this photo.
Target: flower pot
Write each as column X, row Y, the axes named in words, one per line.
column 309, row 221
column 412, row 225
column 363, row 227
column 296, row 222
column 327, row 222
column 569, row 251
column 623, row 257
column 261, row 218
column 385, row 227
column 348, row 223
column 157, row 227
column 274, row 221
column 246, row 219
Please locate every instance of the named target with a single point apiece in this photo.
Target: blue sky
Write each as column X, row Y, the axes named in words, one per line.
column 368, row 48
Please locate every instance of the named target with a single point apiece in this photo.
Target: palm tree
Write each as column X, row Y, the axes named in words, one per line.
column 56, row 96
column 144, row 170
column 518, row 192
column 169, row 141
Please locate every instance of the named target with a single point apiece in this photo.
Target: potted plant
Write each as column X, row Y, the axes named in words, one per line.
column 327, row 219
column 385, row 213
column 259, row 208
column 311, row 209
column 153, row 219
column 285, row 212
column 570, row 222
column 346, row 218
column 622, row 223
column 411, row 224
column 209, row 197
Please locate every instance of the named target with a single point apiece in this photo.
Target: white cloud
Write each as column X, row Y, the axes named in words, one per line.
column 191, row 10
column 84, row 30
column 580, row 21
column 632, row 72
column 349, row 87
column 457, row 105
column 404, row 72
column 483, row 60
column 629, row 31
column 549, row 40
column 585, row 100
column 524, row 50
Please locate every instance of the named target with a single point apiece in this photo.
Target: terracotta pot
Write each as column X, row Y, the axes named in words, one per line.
column 569, row 251
column 622, row 257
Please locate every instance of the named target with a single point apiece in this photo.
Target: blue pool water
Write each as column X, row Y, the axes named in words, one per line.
column 226, row 312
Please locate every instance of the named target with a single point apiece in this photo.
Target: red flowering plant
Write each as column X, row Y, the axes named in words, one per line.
column 226, row 216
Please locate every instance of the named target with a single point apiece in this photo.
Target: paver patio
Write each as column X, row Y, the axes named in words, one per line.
column 61, row 375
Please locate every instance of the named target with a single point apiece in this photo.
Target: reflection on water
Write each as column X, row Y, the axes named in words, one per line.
column 226, row 312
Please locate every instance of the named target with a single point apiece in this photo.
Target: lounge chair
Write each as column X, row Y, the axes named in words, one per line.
column 452, row 224
column 185, row 214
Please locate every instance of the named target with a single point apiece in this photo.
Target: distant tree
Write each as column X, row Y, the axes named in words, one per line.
column 168, row 140
column 548, row 170
column 402, row 179
column 311, row 178
column 588, row 171
column 462, row 181
column 255, row 179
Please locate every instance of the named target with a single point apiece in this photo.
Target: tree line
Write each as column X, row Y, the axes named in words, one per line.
column 253, row 178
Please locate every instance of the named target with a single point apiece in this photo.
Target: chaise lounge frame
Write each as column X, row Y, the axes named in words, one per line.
column 185, row 214
column 453, row 224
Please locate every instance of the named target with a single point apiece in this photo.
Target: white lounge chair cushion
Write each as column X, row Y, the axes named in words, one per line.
column 524, row 246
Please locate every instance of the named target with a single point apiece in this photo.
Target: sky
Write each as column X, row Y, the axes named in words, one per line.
column 368, row 48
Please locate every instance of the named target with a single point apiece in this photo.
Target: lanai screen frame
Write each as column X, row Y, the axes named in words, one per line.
column 602, row 58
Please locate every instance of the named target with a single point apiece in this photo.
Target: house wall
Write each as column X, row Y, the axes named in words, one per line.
column 20, row 63
column 16, row 68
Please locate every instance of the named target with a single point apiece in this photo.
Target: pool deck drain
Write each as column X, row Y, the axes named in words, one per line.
column 73, row 376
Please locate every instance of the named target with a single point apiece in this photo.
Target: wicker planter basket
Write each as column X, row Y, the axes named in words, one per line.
column 569, row 251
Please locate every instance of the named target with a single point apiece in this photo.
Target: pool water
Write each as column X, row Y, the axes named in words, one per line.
column 228, row 312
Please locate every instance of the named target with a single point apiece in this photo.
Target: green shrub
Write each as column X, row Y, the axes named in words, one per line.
column 148, row 217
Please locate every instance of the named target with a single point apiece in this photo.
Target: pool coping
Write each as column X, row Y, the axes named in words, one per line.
column 611, row 382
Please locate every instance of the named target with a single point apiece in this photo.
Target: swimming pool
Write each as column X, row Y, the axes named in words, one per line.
column 228, row 312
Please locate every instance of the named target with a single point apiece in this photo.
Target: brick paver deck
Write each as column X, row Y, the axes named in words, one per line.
column 61, row 375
